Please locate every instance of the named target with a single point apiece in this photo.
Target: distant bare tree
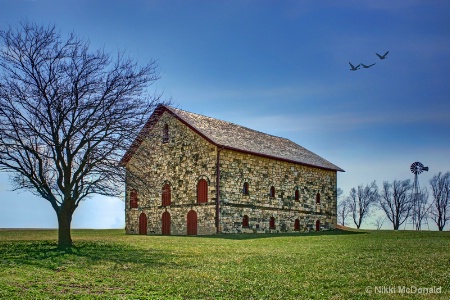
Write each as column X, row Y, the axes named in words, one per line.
column 67, row 115
column 361, row 201
column 379, row 222
column 343, row 208
column 396, row 201
column 440, row 208
column 421, row 208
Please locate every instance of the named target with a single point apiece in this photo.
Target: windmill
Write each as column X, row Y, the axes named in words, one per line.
column 416, row 168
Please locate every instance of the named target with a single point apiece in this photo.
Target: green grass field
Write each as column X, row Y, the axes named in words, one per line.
column 327, row 265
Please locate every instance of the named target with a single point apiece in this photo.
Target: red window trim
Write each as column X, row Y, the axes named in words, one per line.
column 166, row 195
column 202, row 191
column 134, row 199
column 272, row 191
column 245, row 189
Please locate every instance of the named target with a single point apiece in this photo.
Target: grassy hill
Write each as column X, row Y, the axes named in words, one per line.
column 326, row 265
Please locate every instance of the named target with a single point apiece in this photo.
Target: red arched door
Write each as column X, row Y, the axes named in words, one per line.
column 272, row 223
column 143, row 224
column 297, row 225
column 192, row 223
column 245, row 221
column 318, row 225
column 166, row 223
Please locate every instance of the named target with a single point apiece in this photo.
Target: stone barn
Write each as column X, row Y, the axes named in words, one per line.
column 190, row 174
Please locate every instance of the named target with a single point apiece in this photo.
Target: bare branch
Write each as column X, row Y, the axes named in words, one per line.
column 440, row 208
column 396, row 201
column 67, row 114
column 361, row 201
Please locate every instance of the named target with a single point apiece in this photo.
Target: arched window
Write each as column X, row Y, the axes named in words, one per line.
column 202, row 191
column 318, row 198
column 134, row 199
column 297, row 195
column 272, row 223
column 272, row 191
column 166, row 196
column 245, row 188
column 165, row 134
column 245, row 221
column 318, row 225
column 297, row 225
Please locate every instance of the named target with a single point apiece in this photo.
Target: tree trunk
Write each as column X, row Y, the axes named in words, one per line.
column 396, row 225
column 64, row 221
column 440, row 223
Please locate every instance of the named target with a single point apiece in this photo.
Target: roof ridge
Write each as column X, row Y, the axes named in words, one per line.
column 228, row 122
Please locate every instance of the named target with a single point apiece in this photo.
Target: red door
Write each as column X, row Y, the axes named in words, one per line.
column 192, row 223
column 143, row 224
column 272, row 223
column 166, row 223
column 245, row 221
column 317, row 225
column 297, row 225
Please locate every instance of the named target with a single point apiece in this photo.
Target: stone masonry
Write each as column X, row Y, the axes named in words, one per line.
column 263, row 173
column 175, row 150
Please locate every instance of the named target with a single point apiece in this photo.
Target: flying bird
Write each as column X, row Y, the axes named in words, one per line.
column 353, row 68
column 382, row 56
column 366, row 67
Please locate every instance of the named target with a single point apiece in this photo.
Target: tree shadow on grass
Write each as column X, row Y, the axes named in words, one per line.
column 45, row 254
column 251, row 236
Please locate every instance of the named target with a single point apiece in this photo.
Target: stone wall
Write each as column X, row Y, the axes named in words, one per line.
column 186, row 158
column 181, row 162
column 205, row 213
column 261, row 174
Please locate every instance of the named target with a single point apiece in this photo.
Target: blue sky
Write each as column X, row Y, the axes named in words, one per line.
column 280, row 67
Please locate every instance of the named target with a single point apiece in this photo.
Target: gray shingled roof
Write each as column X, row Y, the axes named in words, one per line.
column 232, row 136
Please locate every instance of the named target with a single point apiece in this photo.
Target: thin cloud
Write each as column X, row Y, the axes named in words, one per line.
column 304, row 91
column 342, row 121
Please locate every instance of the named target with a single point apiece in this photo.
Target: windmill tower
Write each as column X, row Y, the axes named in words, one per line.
column 416, row 168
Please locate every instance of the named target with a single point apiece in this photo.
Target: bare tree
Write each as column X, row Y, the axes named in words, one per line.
column 440, row 208
column 396, row 201
column 421, row 208
column 379, row 222
column 343, row 208
column 361, row 201
column 67, row 115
